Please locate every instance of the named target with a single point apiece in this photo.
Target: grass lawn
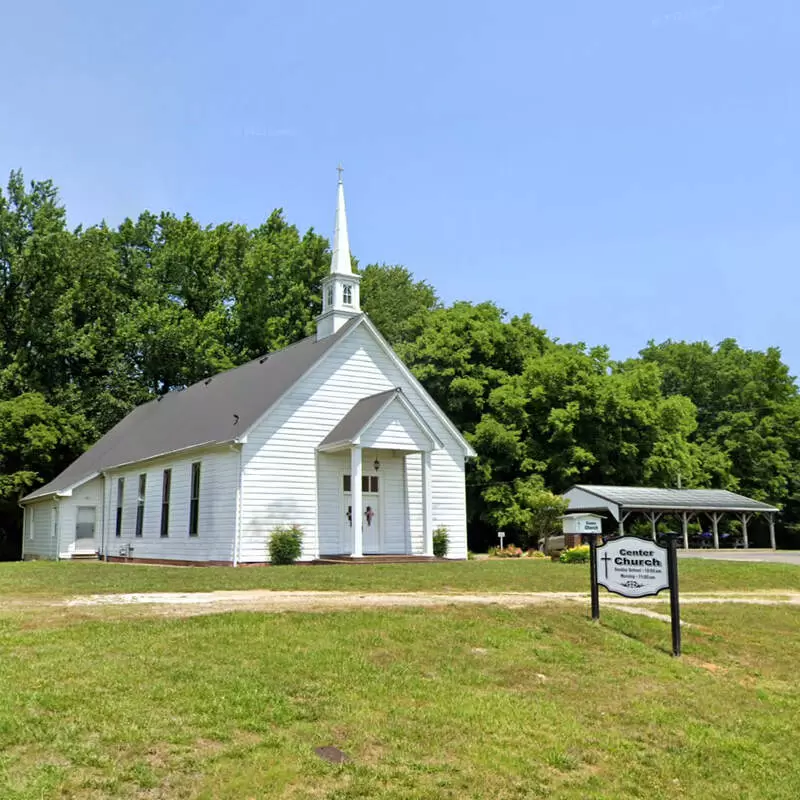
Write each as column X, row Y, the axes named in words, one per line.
column 53, row 579
column 451, row 703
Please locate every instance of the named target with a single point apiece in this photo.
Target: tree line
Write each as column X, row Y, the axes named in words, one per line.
column 96, row 320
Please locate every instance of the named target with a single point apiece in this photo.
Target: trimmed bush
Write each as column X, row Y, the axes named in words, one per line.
column 512, row 551
column 575, row 555
column 441, row 541
column 285, row 545
column 535, row 554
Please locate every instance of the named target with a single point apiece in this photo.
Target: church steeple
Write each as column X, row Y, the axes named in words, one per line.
column 340, row 288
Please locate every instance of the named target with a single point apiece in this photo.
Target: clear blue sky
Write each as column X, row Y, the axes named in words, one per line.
column 622, row 170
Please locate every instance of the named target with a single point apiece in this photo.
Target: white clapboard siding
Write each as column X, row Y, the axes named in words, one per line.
column 39, row 530
column 279, row 485
column 331, row 468
column 395, row 429
column 413, row 486
column 217, row 509
column 89, row 494
column 394, row 532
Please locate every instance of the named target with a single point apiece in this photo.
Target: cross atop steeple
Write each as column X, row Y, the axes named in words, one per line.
column 340, row 170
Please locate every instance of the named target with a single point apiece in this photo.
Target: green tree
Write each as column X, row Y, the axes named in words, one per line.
column 526, row 507
column 395, row 302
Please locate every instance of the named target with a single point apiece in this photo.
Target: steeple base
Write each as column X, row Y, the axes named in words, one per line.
column 330, row 321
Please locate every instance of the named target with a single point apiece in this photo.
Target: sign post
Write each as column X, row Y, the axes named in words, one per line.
column 634, row 567
column 593, row 573
column 501, row 535
column 674, row 601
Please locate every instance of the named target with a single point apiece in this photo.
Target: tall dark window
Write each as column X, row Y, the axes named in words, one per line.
column 347, row 295
column 120, row 501
column 140, row 503
column 194, row 503
column 166, row 486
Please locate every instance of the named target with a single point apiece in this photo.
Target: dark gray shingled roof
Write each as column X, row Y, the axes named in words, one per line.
column 353, row 422
column 645, row 499
column 215, row 410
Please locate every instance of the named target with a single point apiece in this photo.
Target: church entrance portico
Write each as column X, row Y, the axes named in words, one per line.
column 375, row 480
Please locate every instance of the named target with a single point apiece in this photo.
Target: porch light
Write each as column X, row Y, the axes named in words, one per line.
column 376, row 464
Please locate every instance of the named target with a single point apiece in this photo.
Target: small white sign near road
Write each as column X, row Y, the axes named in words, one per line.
column 632, row 567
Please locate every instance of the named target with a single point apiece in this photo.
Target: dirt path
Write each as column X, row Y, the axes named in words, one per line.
column 193, row 603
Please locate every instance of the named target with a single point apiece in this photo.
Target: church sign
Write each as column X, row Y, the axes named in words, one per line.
column 632, row 567
column 635, row 567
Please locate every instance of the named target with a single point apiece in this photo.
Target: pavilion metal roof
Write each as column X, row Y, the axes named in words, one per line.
column 639, row 498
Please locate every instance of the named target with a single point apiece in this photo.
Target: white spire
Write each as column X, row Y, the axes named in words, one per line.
column 340, row 263
column 341, row 294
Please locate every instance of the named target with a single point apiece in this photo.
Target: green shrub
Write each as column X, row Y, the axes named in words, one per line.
column 575, row 555
column 441, row 541
column 535, row 554
column 285, row 545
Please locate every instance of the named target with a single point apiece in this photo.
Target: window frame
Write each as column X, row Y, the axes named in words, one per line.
column 120, row 506
column 140, row 497
column 194, row 499
column 78, row 510
column 370, row 484
column 166, row 491
column 329, row 296
column 347, row 294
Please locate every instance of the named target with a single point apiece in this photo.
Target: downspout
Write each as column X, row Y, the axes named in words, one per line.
column 25, row 523
column 58, row 528
column 103, row 554
column 237, row 532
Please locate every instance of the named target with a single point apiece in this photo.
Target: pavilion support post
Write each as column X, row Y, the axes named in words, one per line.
column 715, row 518
column 685, row 526
column 654, row 517
column 745, row 517
column 356, row 513
column 771, row 518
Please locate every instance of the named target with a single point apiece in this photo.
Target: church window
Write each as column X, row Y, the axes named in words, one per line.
column 329, row 297
column 369, row 483
column 347, row 295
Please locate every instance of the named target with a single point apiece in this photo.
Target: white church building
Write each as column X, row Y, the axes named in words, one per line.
column 332, row 434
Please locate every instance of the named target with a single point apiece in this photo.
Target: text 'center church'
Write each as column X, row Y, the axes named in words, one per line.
column 332, row 434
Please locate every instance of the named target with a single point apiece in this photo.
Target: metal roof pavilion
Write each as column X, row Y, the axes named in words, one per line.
column 622, row 501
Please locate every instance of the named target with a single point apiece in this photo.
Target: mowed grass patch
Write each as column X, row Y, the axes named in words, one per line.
column 450, row 703
column 54, row 579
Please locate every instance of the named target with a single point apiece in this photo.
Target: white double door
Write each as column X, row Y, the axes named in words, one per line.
column 370, row 522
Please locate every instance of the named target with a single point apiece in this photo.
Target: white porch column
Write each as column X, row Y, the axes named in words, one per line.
column 427, row 504
column 355, row 498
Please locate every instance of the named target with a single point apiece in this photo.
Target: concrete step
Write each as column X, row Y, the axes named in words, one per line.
column 377, row 559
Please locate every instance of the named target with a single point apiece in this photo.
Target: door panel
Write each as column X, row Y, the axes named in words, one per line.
column 85, row 521
column 371, row 523
column 370, row 515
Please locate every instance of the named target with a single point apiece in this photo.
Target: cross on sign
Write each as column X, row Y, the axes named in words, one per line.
column 605, row 559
